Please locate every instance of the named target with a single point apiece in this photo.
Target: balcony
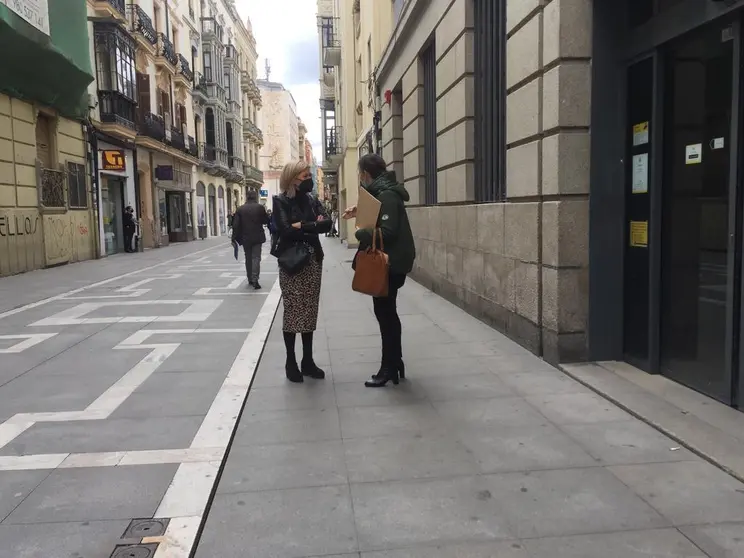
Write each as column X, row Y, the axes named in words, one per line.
column 231, row 55
column 212, row 30
column 329, row 76
column 117, row 113
column 246, row 83
column 177, row 140
column 166, row 54
column 214, row 159
column 191, row 148
column 110, row 9
column 233, row 109
column 253, row 176
column 152, row 126
column 199, row 93
column 142, row 29
column 330, row 40
column 235, row 164
column 335, row 146
column 184, row 74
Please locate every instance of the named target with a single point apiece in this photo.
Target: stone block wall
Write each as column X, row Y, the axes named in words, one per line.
column 29, row 238
column 521, row 264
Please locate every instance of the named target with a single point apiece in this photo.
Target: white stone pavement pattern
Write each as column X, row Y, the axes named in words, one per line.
column 484, row 452
column 113, row 410
column 119, row 393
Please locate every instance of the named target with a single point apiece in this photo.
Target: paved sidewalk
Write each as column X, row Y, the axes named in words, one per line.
column 485, row 451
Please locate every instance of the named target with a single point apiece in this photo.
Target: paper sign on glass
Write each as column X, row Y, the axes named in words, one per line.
column 640, row 173
column 694, row 154
column 640, row 134
column 368, row 210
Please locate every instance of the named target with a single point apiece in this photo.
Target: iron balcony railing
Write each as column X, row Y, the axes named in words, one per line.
column 152, row 126
column 118, row 5
column 166, row 49
column 141, row 23
column 52, row 182
column 329, row 35
column 334, row 141
column 115, row 108
column 207, row 152
column 185, row 68
column 191, row 148
column 177, row 139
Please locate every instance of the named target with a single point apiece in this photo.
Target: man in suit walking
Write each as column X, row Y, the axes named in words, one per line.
column 248, row 231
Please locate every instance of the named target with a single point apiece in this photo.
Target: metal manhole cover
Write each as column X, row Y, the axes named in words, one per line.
column 135, row 551
column 141, row 528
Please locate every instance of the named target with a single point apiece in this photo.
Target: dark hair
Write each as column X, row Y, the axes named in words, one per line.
column 372, row 164
column 251, row 195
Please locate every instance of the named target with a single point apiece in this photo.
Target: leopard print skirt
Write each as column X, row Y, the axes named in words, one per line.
column 301, row 296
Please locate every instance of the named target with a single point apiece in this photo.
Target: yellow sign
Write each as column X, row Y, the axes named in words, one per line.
column 639, row 234
column 640, row 134
column 113, row 160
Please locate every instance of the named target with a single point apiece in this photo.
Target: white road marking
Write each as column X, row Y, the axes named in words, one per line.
column 197, row 311
column 130, row 291
column 215, row 431
column 28, row 341
column 61, row 296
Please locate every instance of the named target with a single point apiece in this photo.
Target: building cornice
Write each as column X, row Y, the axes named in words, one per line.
column 402, row 29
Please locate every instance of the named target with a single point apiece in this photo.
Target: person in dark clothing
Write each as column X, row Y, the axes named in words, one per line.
column 130, row 227
column 299, row 219
column 401, row 251
column 248, row 231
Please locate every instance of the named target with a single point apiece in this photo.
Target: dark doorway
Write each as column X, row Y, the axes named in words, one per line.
column 697, row 269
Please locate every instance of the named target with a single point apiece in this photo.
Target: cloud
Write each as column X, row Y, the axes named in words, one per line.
column 286, row 34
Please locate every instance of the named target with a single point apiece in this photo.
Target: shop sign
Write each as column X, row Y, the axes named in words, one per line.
column 36, row 12
column 113, row 160
column 264, row 193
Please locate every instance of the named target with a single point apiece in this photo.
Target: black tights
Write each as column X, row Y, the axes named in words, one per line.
column 307, row 346
column 386, row 312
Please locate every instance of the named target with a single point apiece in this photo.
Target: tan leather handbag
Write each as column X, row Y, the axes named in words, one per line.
column 371, row 269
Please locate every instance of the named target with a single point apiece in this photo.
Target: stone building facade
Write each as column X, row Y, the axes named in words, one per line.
column 511, row 246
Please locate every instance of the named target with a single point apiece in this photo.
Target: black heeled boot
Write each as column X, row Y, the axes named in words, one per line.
column 402, row 370
column 384, row 376
column 290, row 368
column 308, row 367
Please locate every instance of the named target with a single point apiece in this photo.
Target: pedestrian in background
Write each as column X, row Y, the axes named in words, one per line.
column 130, row 226
column 397, row 240
column 248, row 231
column 299, row 219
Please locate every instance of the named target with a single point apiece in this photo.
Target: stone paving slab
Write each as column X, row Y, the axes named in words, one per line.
column 116, row 417
column 485, row 450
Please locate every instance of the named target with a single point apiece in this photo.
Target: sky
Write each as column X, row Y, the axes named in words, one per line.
column 287, row 35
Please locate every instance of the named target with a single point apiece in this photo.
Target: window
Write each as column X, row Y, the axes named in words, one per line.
column 76, row 186
column 227, row 86
column 115, row 67
column 429, row 63
column 490, row 94
column 208, row 65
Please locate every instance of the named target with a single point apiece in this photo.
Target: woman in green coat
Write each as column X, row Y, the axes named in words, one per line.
column 398, row 243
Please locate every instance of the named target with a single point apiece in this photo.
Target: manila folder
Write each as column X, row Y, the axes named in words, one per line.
column 368, row 210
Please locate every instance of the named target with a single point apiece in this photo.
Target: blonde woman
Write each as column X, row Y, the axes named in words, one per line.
column 299, row 219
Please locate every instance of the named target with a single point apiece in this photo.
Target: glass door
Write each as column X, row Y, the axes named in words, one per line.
column 697, row 263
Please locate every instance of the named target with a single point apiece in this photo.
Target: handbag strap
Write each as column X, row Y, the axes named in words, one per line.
column 382, row 243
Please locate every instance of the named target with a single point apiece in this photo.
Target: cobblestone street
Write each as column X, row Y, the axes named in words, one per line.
column 121, row 400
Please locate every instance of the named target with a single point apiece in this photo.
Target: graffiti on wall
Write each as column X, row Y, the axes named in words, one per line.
column 21, row 241
column 57, row 239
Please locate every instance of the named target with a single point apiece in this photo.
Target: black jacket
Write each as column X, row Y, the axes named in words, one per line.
column 393, row 222
column 248, row 224
column 301, row 209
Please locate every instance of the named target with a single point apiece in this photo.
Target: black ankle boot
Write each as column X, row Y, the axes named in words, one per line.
column 310, row 369
column 384, row 376
column 293, row 372
column 402, row 370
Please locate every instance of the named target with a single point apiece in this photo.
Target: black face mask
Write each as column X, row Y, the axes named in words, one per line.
column 306, row 186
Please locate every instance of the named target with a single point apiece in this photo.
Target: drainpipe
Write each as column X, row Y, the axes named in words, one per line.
column 95, row 184
column 137, row 199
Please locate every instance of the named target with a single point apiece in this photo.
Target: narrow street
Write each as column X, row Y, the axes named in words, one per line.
column 121, row 425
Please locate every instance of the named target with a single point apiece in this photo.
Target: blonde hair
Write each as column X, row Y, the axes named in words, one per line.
column 289, row 173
